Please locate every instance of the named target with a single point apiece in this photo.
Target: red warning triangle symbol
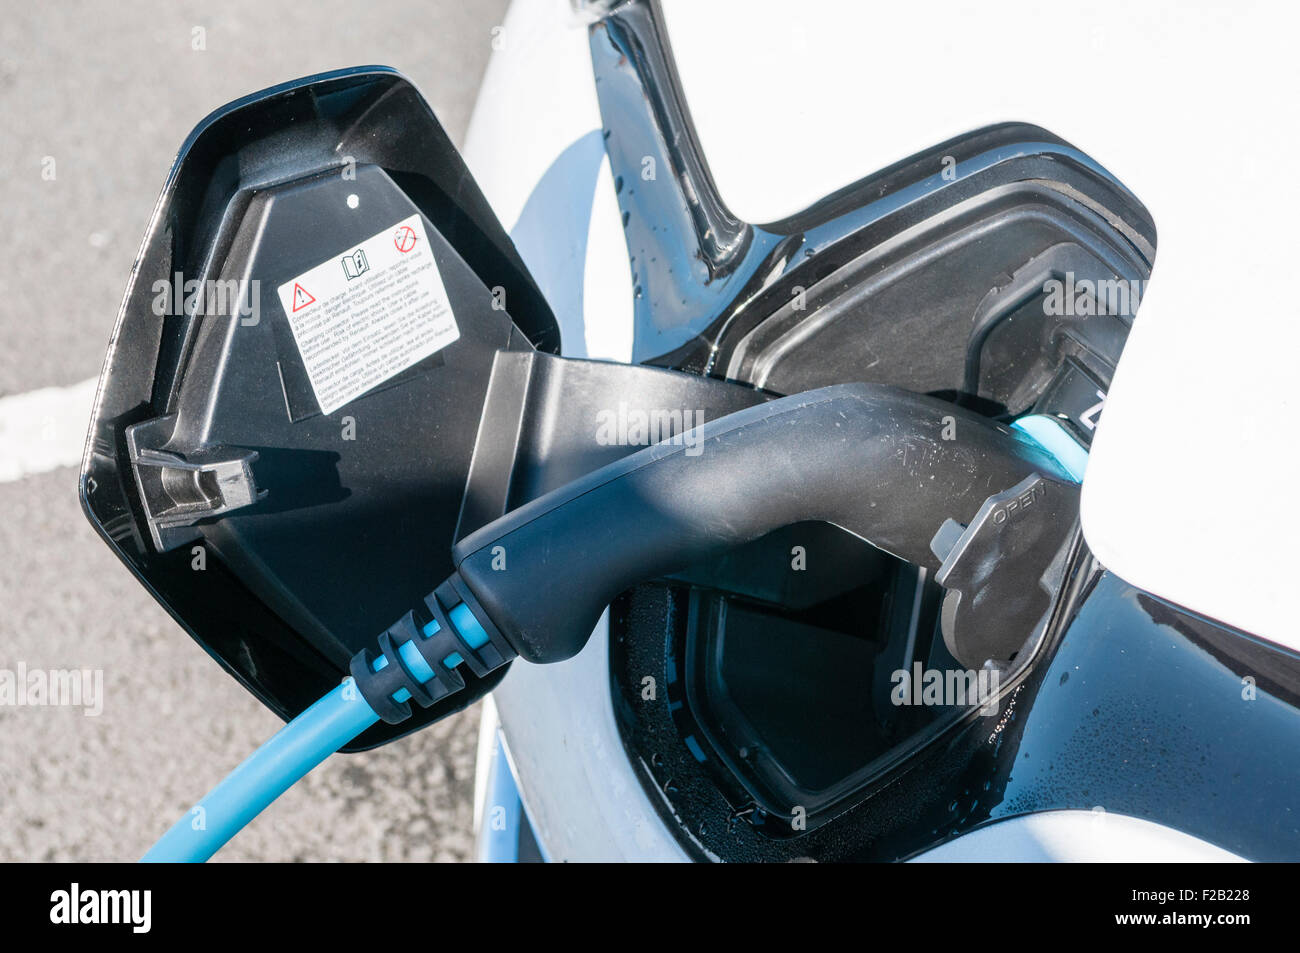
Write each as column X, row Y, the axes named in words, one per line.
column 301, row 298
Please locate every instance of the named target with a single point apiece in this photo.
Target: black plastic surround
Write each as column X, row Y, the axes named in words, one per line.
column 930, row 275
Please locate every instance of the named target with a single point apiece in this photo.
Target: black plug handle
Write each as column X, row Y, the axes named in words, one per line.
column 885, row 464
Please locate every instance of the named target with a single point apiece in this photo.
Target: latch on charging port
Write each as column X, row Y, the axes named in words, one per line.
column 999, row 570
column 178, row 490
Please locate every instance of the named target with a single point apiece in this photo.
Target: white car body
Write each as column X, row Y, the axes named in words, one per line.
column 1192, row 472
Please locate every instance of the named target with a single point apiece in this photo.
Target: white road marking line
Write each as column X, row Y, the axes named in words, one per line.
column 44, row 429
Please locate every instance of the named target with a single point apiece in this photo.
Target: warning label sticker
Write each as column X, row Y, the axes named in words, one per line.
column 369, row 313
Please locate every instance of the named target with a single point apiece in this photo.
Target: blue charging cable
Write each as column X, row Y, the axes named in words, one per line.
column 302, row 744
column 1050, row 434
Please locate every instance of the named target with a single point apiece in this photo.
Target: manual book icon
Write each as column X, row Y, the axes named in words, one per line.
column 355, row 265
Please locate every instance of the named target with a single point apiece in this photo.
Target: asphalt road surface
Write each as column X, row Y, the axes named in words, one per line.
column 101, row 96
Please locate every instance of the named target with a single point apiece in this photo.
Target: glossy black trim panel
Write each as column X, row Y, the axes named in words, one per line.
column 1134, row 707
column 703, row 279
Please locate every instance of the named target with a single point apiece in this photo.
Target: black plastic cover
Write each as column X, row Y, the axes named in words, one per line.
column 281, row 538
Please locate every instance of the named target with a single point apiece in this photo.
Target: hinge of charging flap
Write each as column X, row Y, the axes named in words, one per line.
column 181, row 487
